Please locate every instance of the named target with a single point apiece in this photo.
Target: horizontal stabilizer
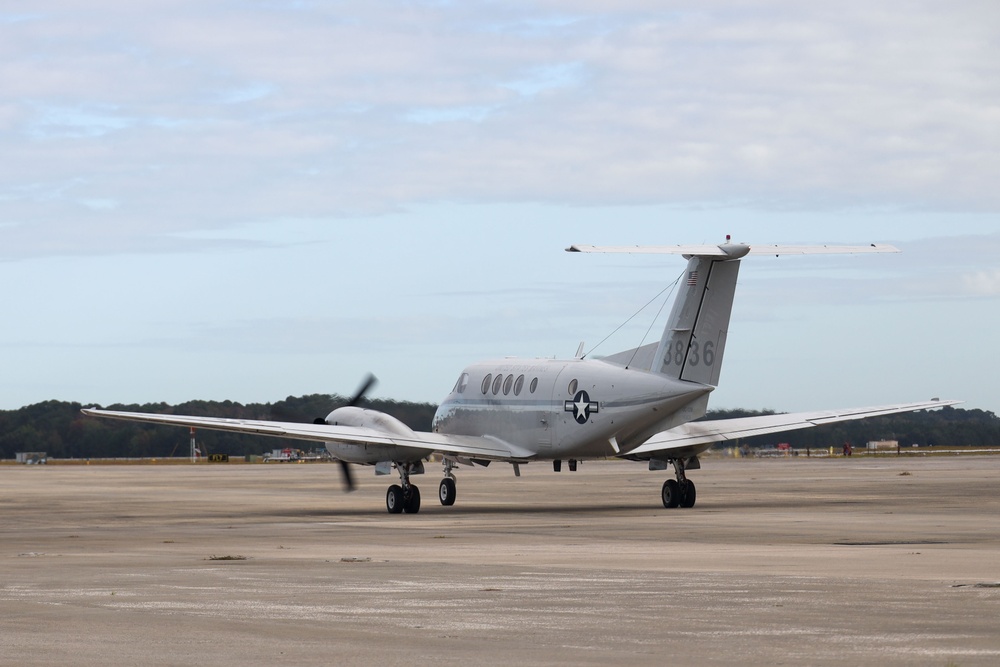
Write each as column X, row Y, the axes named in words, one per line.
column 719, row 251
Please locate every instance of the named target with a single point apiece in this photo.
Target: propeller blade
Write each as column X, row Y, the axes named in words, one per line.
column 348, row 476
column 345, row 467
column 369, row 382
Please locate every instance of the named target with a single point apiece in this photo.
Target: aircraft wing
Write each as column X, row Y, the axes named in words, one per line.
column 422, row 443
column 695, row 437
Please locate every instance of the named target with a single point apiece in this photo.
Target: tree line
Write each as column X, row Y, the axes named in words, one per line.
column 59, row 429
column 947, row 426
column 62, row 431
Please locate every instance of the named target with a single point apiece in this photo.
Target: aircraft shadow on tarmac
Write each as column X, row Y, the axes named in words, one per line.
column 797, row 503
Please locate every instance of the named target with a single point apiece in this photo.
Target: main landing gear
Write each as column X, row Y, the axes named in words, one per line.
column 678, row 492
column 405, row 497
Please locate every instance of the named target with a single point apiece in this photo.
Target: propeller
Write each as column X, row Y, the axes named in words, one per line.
column 369, row 382
column 345, row 467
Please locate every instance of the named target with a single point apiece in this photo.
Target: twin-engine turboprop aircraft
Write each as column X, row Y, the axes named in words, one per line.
column 639, row 404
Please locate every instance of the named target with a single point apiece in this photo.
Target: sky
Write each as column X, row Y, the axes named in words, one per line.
column 252, row 200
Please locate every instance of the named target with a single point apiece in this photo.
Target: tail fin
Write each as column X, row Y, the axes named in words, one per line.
column 694, row 338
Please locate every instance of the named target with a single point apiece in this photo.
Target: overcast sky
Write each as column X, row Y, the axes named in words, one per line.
column 250, row 200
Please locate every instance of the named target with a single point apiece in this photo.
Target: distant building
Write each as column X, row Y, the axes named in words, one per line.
column 883, row 445
column 31, row 458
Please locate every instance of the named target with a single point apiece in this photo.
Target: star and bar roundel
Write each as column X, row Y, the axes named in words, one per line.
column 581, row 406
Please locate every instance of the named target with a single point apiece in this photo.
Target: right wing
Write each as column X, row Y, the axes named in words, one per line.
column 695, row 437
column 422, row 443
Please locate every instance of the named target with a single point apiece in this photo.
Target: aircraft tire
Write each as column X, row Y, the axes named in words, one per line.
column 690, row 495
column 411, row 501
column 446, row 492
column 670, row 494
column 394, row 499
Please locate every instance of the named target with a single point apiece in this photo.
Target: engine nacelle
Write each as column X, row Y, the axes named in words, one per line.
column 373, row 419
column 372, row 453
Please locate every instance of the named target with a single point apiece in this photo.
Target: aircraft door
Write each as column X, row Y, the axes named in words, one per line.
column 543, row 418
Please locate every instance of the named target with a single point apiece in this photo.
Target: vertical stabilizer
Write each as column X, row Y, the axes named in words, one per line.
column 694, row 339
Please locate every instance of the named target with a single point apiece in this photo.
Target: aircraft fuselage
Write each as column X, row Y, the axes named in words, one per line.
column 559, row 409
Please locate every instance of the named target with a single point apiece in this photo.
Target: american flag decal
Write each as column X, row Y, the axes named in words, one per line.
column 692, row 278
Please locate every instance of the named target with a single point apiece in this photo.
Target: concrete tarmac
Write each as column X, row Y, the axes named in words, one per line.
column 892, row 561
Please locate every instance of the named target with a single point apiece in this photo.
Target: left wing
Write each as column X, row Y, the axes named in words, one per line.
column 422, row 443
column 695, row 437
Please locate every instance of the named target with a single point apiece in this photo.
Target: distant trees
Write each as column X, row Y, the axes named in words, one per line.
column 946, row 426
column 61, row 430
column 58, row 428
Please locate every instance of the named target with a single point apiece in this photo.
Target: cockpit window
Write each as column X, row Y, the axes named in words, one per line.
column 486, row 382
column 507, row 384
column 463, row 382
column 518, row 385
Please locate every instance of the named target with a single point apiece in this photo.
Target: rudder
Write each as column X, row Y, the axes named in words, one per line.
column 694, row 338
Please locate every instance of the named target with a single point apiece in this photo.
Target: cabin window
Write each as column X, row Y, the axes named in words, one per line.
column 507, row 384
column 533, row 386
column 496, row 384
column 518, row 385
column 486, row 382
column 463, row 382
column 573, row 384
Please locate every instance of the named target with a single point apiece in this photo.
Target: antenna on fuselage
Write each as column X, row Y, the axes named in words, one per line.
column 579, row 350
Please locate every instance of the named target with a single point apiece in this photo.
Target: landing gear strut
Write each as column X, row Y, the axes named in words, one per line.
column 403, row 497
column 678, row 492
column 446, row 491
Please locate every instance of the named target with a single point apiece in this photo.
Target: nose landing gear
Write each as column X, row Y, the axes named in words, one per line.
column 446, row 490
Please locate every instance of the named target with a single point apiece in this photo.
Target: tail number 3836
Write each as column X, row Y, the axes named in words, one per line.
column 697, row 354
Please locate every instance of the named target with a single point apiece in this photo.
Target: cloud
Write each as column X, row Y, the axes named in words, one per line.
column 983, row 283
column 195, row 118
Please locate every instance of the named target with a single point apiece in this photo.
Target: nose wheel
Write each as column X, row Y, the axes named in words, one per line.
column 446, row 492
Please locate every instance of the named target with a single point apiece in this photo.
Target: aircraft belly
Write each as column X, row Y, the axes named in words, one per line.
column 595, row 449
column 617, row 426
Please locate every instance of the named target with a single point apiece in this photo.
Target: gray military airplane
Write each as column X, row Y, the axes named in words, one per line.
column 640, row 404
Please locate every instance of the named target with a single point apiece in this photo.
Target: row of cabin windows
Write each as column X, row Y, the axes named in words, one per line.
column 507, row 384
column 497, row 383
